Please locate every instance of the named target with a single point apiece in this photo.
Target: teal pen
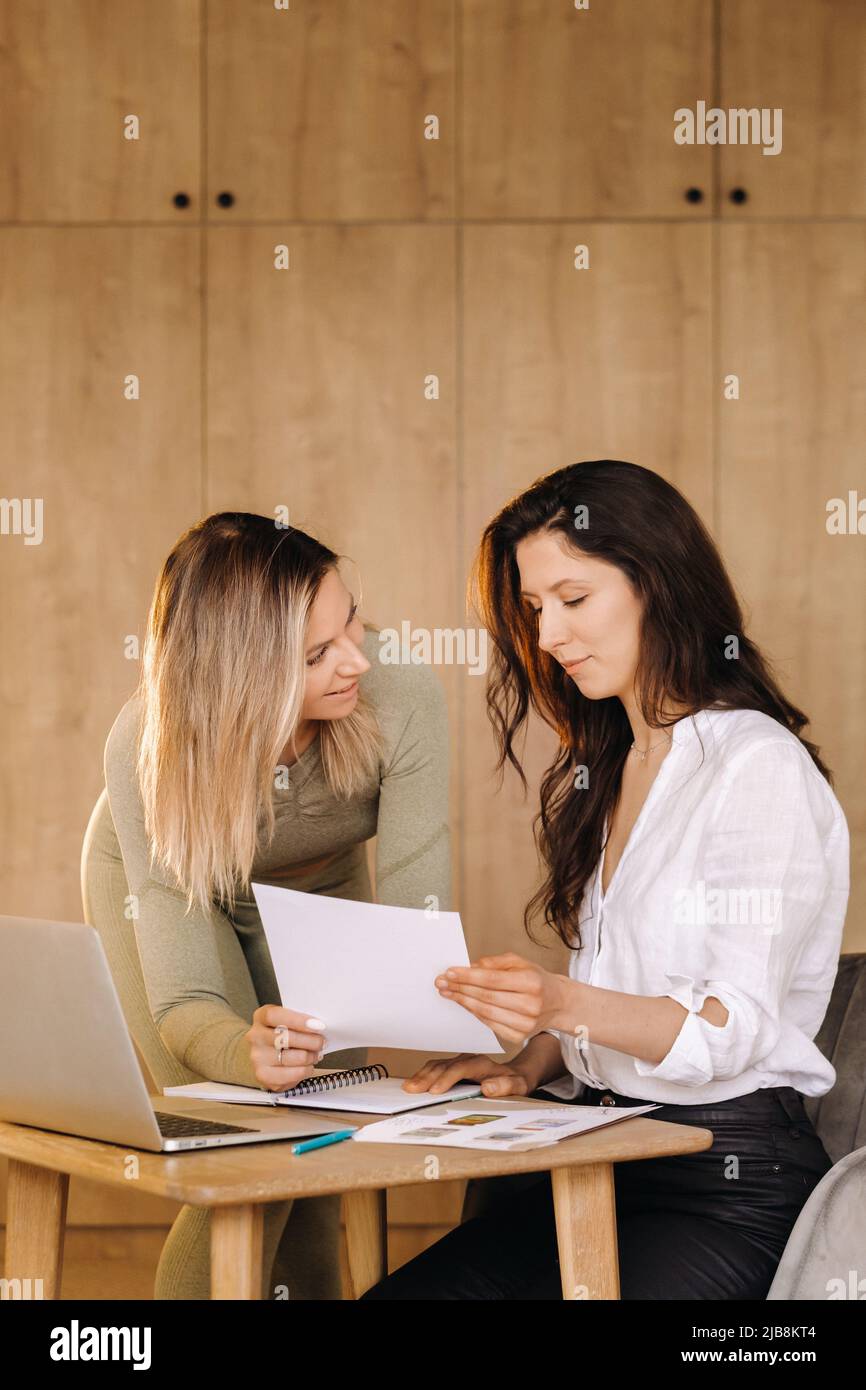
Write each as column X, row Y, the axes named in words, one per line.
column 322, row 1140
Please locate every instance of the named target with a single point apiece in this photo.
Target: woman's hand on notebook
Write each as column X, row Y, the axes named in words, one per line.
column 303, row 1040
column 497, row 1078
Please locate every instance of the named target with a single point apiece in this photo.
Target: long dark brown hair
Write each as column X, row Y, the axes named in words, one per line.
column 642, row 524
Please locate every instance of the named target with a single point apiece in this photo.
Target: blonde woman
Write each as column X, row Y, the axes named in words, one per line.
column 265, row 741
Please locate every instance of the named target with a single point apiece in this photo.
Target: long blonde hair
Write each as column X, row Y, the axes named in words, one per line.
column 222, row 687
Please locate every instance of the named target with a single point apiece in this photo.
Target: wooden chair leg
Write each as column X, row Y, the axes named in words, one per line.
column 35, row 1228
column 584, row 1201
column 236, row 1246
column 365, row 1215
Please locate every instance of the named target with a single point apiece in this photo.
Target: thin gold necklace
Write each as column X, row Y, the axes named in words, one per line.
column 642, row 754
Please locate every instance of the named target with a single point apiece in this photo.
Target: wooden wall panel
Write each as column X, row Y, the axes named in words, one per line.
column 807, row 57
column 81, row 309
column 793, row 328
column 570, row 113
column 70, row 74
column 563, row 365
column 316, row 400
column 319, row 111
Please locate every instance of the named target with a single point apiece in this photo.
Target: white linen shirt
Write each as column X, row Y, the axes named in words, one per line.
column 733, row 883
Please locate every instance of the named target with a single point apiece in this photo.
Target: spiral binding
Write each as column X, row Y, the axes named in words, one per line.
column 352, row 1076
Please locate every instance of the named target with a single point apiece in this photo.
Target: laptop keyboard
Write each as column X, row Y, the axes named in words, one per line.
column 181, row 1126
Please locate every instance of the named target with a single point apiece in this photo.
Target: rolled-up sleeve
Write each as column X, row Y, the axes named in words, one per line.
column 764, row 875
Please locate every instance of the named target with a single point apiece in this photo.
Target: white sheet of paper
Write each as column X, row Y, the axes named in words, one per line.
column 368, row 971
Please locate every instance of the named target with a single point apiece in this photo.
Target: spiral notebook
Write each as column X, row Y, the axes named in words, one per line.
column 368, row 1090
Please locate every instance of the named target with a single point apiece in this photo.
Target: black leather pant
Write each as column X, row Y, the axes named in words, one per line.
column 710, row 1225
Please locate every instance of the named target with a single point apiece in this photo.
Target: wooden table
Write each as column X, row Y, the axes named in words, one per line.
column 235, row 1181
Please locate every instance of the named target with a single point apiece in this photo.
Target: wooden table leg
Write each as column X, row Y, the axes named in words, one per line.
column 236, row 1251
column 365, row 1215
column 35, row 1227
column 584, row 1202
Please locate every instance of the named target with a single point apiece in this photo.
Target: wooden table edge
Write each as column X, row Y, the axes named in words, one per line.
column 17, row 1143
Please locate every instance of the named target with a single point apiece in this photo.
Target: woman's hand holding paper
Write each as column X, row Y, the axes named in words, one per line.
column 515, row 997
column 301, row 1038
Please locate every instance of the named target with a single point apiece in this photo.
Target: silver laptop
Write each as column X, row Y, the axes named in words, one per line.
column 67, row 1061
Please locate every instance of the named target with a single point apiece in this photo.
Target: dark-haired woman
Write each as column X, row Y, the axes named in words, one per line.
column 266, row 740
column 697, row 866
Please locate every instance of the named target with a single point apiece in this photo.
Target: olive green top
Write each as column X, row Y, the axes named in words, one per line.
column 204, row 979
